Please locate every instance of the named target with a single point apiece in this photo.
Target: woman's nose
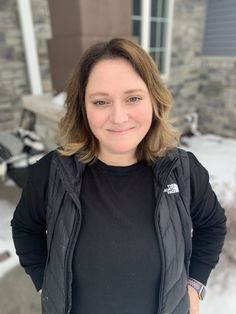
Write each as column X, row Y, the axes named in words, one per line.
column 119, row 114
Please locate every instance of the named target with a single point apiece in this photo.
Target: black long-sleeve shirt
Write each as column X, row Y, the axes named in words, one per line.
column 29, row 225
column 116, row 261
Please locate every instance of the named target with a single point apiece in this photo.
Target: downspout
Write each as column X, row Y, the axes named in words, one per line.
column 27, row 26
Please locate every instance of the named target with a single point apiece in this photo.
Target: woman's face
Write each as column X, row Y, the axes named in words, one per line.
column 119, row 110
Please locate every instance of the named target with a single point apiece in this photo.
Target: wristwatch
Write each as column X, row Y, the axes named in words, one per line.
column 199, row 287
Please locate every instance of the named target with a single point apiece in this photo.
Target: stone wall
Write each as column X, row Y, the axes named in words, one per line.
column 187, row 36
column 217, row 96
column 13, row 78
column 204, row 85
column 13, row 72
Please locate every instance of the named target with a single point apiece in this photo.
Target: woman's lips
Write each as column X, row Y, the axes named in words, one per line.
column 117, row 131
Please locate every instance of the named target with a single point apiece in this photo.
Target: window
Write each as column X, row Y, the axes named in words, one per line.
column 220, row 29
column 137, row 19
column 155, row 35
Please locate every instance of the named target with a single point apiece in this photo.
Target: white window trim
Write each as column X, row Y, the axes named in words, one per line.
column 27, row 26
column 146, row 28
column 169, row 40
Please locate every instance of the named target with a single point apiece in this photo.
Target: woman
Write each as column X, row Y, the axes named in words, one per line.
column 118, row 220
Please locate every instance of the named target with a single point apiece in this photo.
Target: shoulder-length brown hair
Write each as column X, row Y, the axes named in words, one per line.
column 75, row 133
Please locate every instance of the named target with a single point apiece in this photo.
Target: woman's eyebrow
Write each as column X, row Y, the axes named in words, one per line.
column 136, row 90
column 129, row 91
column 98, row 94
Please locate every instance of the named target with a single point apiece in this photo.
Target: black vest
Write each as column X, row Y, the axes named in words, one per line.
column 172, row 222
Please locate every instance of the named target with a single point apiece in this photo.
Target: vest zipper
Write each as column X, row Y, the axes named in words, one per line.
column 168, row 171
column 68, row 260
column 66, row 178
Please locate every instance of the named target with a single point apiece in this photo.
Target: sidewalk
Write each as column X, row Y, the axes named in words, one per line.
column 17, row 294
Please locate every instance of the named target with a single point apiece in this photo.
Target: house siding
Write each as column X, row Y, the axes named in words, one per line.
column 220, row 28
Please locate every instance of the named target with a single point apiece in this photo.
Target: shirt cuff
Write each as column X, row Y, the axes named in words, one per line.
column 199, row 271
column 37, row 277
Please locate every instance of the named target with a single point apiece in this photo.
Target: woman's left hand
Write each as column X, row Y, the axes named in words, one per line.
column 194, row 300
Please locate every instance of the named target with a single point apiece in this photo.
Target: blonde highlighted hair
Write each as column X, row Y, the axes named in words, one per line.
column 75, row 133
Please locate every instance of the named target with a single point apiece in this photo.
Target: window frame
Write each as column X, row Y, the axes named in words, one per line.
column 145, row 19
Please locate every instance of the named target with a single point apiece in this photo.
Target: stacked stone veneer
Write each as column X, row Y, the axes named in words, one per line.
column 187, row 35
column 217, row 96
column 13, row 72
column 206, row 85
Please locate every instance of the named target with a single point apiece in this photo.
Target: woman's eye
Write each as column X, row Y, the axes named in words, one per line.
column 100, row 102
column 134, row 99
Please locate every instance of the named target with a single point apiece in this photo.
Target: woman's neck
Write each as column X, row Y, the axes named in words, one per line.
column 118, row 160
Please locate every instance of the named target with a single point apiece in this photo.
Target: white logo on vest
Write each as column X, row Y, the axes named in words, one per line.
column 172, row 188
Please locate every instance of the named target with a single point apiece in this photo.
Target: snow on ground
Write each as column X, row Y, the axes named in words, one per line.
column 6, row 245
column 217, row 154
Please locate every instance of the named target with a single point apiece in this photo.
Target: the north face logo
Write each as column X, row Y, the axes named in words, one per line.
column 172, row 188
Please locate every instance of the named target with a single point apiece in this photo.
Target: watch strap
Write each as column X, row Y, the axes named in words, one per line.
column 199, row 287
